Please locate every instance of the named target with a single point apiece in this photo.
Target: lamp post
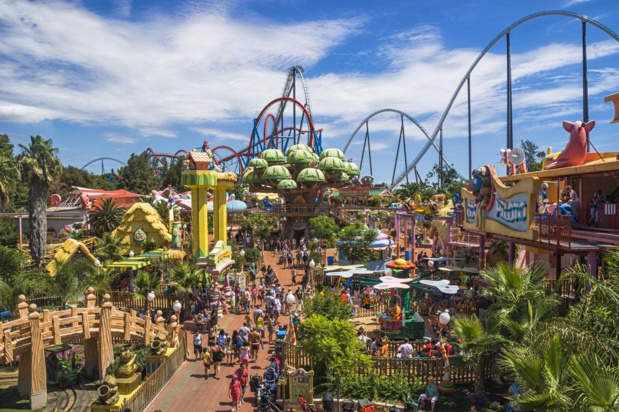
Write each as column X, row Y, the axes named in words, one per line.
column 149, row 300
column 176, row 307
column 312, row 265
column 242, row 253
column 443, row 321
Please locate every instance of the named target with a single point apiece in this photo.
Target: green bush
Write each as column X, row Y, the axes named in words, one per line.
column 376, row 387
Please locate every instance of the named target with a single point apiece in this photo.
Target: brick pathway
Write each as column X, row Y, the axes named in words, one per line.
column 188, row 391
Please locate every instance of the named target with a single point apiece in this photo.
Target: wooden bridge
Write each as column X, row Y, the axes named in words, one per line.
column 96, row 327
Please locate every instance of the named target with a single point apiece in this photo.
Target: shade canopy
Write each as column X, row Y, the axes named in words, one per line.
column 391, row 279
column 435, row 282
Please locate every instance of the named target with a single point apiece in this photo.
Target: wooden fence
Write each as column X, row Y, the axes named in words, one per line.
column 416, row 369
column 155, row 383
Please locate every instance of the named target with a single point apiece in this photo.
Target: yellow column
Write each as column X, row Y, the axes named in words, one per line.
column 220, row 215
column 199, row 222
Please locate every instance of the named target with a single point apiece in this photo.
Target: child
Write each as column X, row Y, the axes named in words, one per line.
column 229, row 352
column 206, row 360
column 234, row 392
column 245, row 351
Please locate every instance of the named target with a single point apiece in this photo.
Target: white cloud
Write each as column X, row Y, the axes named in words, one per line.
column 115, row 138
column 220, row 135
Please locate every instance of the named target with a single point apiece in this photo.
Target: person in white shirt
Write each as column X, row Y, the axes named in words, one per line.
column 405, row 350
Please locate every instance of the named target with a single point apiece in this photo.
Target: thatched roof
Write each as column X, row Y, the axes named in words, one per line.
column 66, row 252
column 141, row 216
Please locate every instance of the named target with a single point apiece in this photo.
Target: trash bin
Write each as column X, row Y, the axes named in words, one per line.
column 330, row 260
column 408, row 255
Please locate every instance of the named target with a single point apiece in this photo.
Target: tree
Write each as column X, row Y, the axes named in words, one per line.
column 513, row 290
column 138, row 175
column 186, row 277
column 328, row 304
column 8, row 177
column 260, row 227
column 106, row 216
column 354, row 242
column 108, row 248
column 595, row 385
column 39, row 167
column 10, row 264
column 543, row 373
column 532, row 155
column 322, row 227
column 449, row 181
column 476, row 342
column 72, row 279
column 172, row 173
column 332, row 345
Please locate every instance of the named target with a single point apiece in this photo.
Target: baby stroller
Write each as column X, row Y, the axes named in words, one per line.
column 305, row 406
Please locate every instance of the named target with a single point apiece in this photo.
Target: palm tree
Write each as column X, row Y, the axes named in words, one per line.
column 543, row 373
column 512, row 289
column 39, row 167
column 8, row 174
column 108, row 248
column 106, row 216
column 186, row 276
column 73, row 279
column 145, row 283
column 595, row 385
column 476, row 342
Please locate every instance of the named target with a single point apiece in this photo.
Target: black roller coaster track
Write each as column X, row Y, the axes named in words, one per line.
column 102, row 159
column 413, row 165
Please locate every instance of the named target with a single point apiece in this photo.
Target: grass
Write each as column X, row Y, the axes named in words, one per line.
column 11, row 401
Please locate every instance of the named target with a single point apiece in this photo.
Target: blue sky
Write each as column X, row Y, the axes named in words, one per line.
column 110, row 78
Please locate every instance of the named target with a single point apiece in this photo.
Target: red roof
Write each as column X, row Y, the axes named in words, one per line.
column 123, row 198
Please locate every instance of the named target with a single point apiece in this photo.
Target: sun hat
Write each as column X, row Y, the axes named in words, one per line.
column 234, row 377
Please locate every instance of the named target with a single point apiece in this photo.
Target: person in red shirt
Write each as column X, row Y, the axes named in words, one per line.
column 234, row 392
column 243, row 376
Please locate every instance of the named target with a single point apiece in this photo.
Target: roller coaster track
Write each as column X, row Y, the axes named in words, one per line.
column 439, row 126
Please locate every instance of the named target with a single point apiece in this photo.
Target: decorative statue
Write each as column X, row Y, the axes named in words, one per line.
column 108, row 391
column 159, row 345
column 127, row 367
column 446, row 385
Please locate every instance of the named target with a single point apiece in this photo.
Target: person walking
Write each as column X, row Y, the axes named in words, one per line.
column 217, row 355
column 206, row 361
column 243, row 376
column 234, row 392
column 197, row 345
column 255, row 340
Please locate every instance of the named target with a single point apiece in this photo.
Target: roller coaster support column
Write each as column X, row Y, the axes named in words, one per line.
column 38, row 380
column 106, row 349
column 91, row 354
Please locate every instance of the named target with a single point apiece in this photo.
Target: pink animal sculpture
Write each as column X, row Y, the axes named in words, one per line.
column 575, row 153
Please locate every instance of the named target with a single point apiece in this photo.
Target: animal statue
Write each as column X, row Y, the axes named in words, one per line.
column 481, row 186
column 575, row 153
column 159, row 344
column 446, row 385
column 108, row 391
column 127, row 367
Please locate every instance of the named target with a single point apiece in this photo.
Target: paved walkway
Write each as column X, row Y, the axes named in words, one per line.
column 189, row 391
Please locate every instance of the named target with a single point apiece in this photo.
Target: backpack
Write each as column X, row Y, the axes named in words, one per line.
column 221, row 340
column 197, row 340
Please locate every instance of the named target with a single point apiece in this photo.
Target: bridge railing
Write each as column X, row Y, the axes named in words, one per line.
column 75, row 324
column 155, row 383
